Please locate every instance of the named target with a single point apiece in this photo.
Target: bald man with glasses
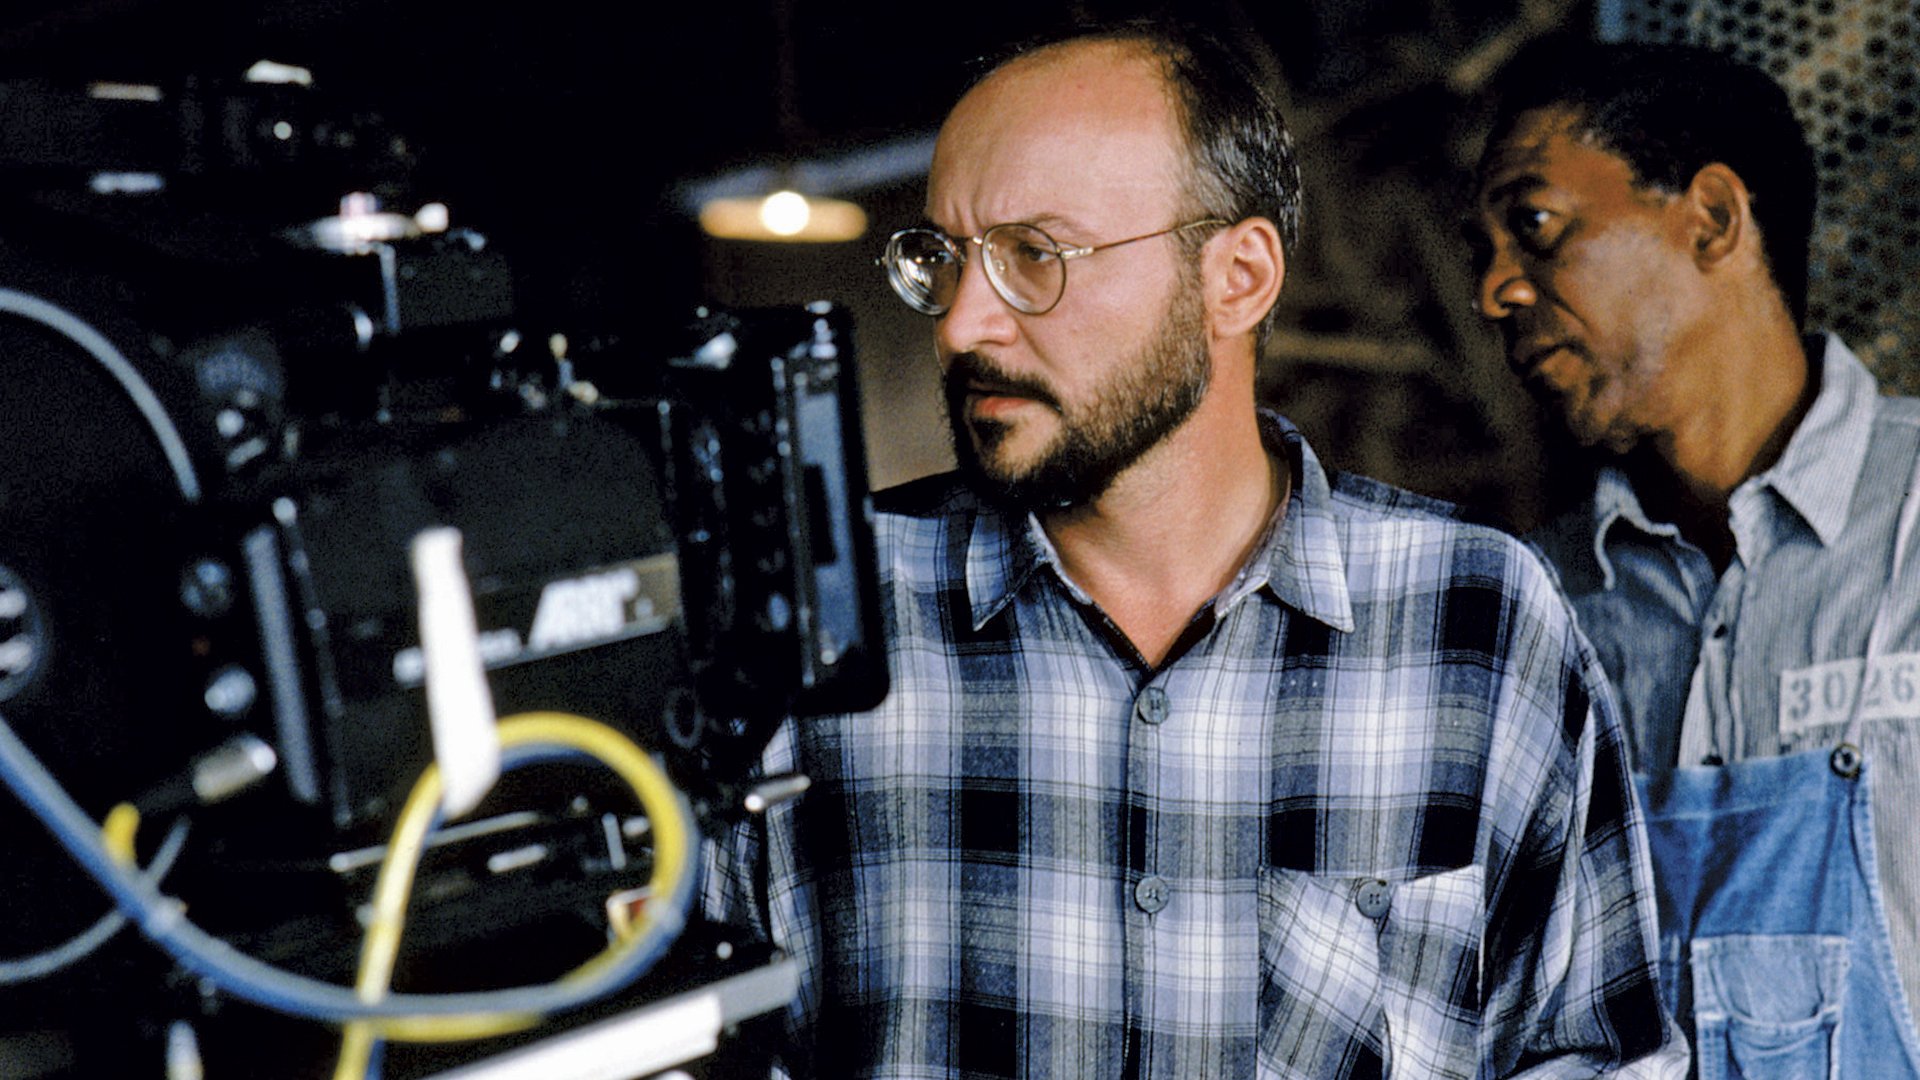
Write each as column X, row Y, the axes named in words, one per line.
column 1200, row 761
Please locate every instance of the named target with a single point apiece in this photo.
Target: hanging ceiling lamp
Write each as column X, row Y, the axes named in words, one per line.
column 783, row 213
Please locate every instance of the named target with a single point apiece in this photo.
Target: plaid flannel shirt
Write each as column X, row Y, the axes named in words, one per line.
column 1371, row 817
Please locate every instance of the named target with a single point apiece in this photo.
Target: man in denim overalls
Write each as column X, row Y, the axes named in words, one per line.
column 1747, row 561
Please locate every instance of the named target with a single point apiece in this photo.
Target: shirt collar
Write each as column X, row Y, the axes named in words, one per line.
column 1816, row 473
column 1820, row 467
column 1300, row 562
column 1614, row 502
column 1003, row 551
column 1303, row 562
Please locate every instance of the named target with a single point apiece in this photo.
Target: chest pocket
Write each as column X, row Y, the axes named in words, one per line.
column 1768, row 1007
column 1366, row 977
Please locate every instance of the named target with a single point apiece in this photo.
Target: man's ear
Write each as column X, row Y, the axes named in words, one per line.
column 1244, row 266
column 1720, row 213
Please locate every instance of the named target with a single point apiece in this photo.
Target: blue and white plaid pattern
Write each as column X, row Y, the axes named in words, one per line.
column 1371, row 818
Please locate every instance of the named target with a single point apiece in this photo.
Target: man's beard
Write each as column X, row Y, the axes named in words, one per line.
column 1136, row 407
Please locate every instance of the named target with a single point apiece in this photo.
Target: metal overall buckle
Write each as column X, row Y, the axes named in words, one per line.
column 1846, row 761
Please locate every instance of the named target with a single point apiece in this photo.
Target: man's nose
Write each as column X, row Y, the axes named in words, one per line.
column 978, row 316
column 1504, row 286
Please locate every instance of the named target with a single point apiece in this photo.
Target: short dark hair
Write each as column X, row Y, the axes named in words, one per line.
column 1241, row 153
column 1668, row 111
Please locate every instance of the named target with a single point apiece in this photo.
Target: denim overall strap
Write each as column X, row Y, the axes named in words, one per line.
column 1775, row 955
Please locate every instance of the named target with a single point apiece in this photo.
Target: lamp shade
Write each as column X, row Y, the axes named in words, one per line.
column 783, row 216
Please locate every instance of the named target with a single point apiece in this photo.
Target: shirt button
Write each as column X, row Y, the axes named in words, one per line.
column 1152, row 894
column 1151, row 707
column 1373, row 898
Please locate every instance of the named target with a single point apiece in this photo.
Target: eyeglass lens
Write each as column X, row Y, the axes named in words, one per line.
column 1023, row 265
column 924, row 268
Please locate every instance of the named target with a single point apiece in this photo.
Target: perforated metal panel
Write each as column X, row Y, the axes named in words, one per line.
column 1852, row 68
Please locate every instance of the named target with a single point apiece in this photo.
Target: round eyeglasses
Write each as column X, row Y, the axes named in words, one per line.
column 1025, row 266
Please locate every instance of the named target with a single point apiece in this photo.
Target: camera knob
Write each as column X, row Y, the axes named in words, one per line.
column 21, row 640
column 206, row 588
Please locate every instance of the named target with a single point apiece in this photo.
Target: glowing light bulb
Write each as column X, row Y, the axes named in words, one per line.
column 785, row 213
column 784, row 216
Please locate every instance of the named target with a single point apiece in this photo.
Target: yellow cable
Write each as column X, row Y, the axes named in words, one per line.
column 671, row 858
column 117, row 832
column 381, row 944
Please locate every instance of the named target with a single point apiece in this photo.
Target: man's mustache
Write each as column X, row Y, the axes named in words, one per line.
column 969, row 372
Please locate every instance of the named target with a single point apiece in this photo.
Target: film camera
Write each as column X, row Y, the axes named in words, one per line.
column 293, row 509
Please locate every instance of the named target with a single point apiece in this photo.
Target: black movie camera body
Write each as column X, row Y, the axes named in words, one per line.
column 237, row 443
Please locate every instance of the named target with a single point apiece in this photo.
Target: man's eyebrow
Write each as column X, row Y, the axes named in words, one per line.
column 1047, row 221
column 1517, row 186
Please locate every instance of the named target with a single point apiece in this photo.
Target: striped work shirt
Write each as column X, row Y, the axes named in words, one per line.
column 1766, row 658
column 1370, row 817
